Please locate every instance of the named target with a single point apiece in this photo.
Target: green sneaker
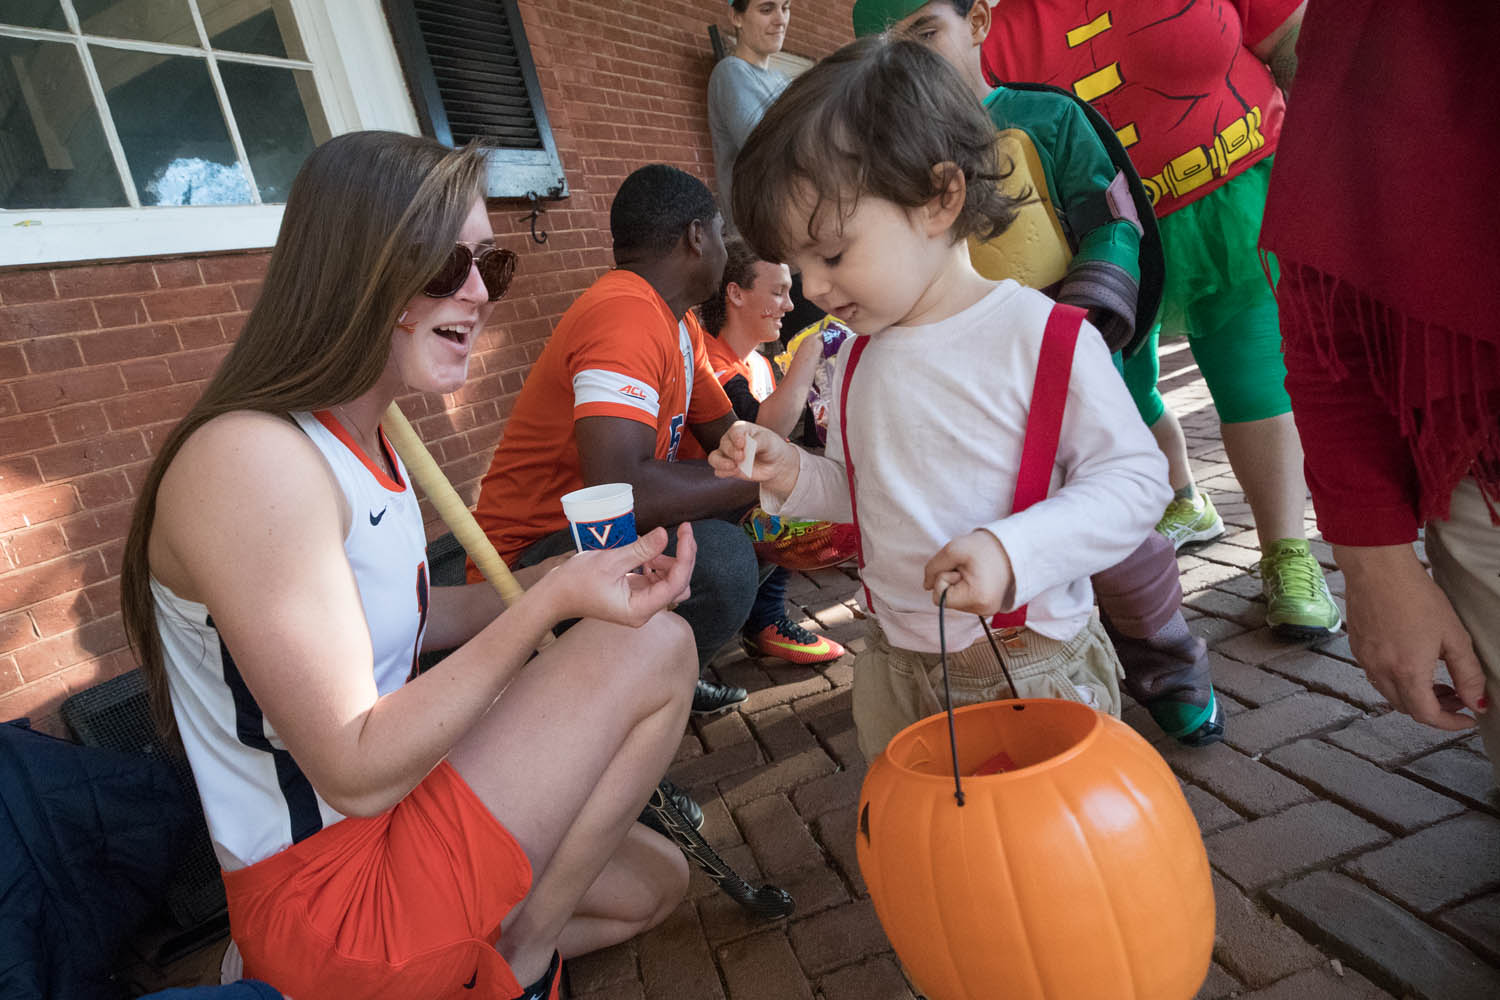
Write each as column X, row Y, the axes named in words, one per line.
column 1192, row 520
column 1298, row 604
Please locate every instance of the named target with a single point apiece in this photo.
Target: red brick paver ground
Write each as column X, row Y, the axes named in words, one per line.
column 1356, row 854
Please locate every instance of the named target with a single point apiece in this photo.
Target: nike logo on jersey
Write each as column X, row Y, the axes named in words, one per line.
column 375, row 518
column 472, row 980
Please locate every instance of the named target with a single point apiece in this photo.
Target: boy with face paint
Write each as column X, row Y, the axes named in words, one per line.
column 1079, row 239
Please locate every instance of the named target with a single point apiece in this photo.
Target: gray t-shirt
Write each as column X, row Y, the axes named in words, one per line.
column 738, row 94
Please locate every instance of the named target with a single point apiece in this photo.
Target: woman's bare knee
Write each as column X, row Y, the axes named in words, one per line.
column 680, row 651
column 645, row 880
column 673, row 887
column 660, row 655
column 663, row 874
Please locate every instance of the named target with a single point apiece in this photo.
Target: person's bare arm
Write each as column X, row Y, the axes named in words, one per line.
column 708, row 434
column 283, row 598
column 619, row 450
column 781, row 410
column 458, row 613
column 1278, row 50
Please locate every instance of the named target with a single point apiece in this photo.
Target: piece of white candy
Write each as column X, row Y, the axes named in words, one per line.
column 748, row 461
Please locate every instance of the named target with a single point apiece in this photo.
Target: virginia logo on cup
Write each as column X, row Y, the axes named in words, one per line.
column 608, row 534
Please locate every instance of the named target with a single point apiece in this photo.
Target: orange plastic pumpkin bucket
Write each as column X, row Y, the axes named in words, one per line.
column 1078, row 872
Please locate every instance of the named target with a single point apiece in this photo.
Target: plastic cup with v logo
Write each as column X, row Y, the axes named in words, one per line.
column 601, row 517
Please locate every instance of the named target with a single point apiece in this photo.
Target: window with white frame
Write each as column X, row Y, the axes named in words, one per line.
column 132, row 127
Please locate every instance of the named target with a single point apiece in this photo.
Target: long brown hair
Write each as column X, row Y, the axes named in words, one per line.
column 370, row 218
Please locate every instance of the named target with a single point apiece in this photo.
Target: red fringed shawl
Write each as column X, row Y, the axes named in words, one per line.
column 1385, row 213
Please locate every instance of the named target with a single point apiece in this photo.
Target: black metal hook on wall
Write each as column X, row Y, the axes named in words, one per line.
column 536, row 213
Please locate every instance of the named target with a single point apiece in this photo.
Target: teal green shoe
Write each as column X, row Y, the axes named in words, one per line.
column 1188, row 521
column 1298, row 604
column 1189, row 724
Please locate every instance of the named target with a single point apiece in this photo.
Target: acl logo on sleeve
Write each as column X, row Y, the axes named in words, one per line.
column 595, row 385
column 607, row 534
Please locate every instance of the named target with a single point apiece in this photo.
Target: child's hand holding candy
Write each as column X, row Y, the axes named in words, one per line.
column 758, row 454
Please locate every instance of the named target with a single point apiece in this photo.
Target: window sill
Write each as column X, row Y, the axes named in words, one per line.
column 53, row 236
column 361, row 86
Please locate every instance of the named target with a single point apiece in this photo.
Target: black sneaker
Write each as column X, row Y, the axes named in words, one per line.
column 710, row 697
column 682, row 800
column 542, row 988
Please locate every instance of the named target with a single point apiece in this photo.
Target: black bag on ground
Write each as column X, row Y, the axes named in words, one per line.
column 87, row 839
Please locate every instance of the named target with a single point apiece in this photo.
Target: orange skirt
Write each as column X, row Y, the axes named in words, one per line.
column 404, row 904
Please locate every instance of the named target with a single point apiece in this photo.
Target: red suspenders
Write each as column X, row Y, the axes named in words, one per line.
column 858, row 348
column 1049, row 397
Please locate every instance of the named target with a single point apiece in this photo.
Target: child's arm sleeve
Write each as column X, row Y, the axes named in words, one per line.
column 821, row 494
column 1114, row 485
column 822, row 490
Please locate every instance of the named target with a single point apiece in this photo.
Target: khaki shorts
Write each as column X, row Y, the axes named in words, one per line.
column 895, row 687
column 1465, row 554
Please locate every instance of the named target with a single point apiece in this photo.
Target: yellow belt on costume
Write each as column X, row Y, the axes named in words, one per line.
column 1201, row 164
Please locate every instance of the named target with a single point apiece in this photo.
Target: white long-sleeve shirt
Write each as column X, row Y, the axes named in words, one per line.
column 937, row 416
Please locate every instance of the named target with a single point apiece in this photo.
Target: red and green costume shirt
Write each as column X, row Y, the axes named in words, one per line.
column 1190, row 102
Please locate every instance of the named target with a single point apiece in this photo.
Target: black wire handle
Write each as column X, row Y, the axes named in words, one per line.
column 958, row 788
column 1014, row 691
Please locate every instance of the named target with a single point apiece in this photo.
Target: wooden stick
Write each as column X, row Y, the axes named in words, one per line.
column 451, row 507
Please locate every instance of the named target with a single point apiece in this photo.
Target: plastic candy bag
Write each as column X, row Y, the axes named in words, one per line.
column 824, row 393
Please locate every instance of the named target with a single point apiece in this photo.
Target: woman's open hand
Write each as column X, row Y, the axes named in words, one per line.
column 625, row 586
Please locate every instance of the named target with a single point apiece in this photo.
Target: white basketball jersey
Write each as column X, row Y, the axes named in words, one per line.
column 256, row 799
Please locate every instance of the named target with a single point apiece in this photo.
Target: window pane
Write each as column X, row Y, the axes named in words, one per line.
column 147, row 20
column 53, row 153
column 169, row 122
column 33, row 14
column 265, row 27
column 280, row 120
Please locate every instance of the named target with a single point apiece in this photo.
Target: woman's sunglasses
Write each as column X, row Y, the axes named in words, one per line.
column 496, row 267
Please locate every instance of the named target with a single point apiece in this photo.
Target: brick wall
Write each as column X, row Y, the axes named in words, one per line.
column 98, row 360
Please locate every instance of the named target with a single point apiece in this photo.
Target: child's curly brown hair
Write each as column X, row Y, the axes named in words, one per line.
column 876, row 117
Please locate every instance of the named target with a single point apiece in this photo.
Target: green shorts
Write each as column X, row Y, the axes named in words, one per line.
column 1217, row 293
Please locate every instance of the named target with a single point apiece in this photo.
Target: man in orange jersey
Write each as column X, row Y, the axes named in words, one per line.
column 623, row 377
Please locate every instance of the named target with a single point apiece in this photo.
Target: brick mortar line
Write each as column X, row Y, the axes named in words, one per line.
column 1325, row 794
column 1325, row 941
column 1487, row 808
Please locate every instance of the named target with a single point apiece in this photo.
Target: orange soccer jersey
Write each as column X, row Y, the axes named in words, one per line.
column 617, row 352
